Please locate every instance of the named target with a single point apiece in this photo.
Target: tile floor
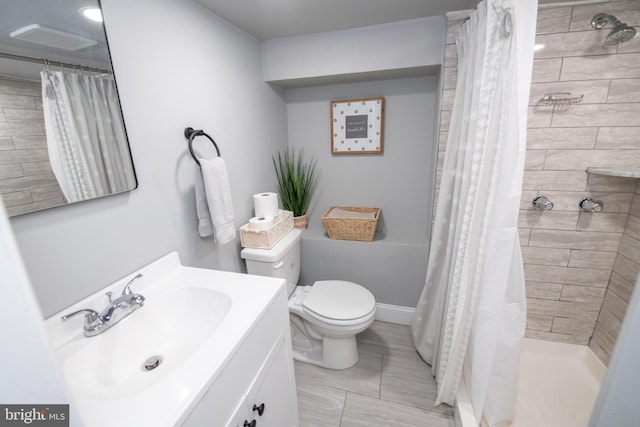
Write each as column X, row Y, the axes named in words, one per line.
column 389, row 386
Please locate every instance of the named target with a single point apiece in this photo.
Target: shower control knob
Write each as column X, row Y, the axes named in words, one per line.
column 542, row 203
column 252, row 423
column 591, row 205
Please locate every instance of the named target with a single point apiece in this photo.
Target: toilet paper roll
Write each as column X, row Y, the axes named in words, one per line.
column 260, row 223
column 265, row 205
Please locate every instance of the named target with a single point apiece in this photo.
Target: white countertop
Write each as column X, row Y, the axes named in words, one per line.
column 169, row 400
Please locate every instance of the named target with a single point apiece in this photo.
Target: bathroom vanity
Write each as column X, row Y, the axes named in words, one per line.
column 207, row 348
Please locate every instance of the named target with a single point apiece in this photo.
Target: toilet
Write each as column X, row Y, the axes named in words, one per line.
column 324, row 317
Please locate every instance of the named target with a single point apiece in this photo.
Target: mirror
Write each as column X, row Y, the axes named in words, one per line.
column 62, row 135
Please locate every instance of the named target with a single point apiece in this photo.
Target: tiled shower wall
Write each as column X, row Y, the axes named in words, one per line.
column 26, row 180
column 623, row 278
column 569, row 255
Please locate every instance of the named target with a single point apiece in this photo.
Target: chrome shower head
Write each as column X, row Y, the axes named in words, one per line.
column 620, row 33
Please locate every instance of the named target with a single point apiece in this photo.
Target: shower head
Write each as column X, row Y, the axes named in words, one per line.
column 621, row 32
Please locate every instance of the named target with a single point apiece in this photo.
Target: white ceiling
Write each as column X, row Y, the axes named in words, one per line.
column 271, row 19
column 57, row 14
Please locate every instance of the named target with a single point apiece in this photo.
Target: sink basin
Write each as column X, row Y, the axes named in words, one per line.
column 171, row 325
column 194, row 320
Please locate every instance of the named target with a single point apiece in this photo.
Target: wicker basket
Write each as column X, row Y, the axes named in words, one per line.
column 351, row 227
column 266, row 239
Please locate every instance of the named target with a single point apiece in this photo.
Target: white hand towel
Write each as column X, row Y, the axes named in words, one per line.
column 205, row 226
column 213, row 201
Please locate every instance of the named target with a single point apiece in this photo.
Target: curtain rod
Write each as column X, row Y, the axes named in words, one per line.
column 54, row 63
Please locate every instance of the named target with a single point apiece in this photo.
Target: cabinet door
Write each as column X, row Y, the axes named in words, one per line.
column 272, row 400
column 242, row 417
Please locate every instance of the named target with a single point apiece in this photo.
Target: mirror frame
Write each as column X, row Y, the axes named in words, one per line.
column 59, row 201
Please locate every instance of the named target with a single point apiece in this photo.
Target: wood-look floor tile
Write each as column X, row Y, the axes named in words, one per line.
column 390, row 386
column 363, row 411
column 409, row 381
column 363, row 378
column 387, row 338
column 320, row 406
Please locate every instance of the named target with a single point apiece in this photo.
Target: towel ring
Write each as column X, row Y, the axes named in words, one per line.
column 190, row 133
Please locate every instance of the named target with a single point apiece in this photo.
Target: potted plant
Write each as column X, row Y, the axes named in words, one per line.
column 297, row 181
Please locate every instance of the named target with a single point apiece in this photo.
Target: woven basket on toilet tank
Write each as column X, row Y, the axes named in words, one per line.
column 351, row 222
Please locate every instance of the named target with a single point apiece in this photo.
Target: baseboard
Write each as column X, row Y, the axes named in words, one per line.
column 394, row 314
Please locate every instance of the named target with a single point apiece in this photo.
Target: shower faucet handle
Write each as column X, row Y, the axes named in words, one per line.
column 542, row 203
column 591, row 205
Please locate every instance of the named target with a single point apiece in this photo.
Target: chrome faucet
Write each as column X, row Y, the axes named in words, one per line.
column 95, row 323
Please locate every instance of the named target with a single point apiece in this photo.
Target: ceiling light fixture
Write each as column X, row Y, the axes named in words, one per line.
column 92, row 13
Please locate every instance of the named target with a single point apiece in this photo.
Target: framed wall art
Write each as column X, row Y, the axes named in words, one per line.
column 357, row 126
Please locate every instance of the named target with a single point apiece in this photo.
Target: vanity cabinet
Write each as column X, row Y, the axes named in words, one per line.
column 257, row 387
column 268, row 402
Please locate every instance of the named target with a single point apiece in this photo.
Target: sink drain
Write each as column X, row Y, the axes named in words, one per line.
column 151, row 363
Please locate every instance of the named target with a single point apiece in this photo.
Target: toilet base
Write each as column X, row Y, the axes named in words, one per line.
column 328, row 352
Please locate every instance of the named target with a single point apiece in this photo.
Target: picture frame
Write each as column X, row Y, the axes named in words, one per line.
column 357, row 126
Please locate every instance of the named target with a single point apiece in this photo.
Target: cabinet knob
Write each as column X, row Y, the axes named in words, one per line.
column 250, row 424
column 260, row 408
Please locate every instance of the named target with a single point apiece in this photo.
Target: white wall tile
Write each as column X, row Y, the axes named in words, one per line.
column 580, row 43
column 555, row 220
column 608, row 222
column 580, row 160
column 620, row 286
column 627, row 268
column 580, row 327
column 627, row 66
column 597, row 183
column 567, row 275
column 592, row 259
column 598, row 115
column 553, row 20
column 546, row 256
column 620, row 137
column 573, row 310
column 540, row 290
column 554, row 180
column 561, row 138
column 546, row 70
column 630, row 247
column 585, row 294
column 534, row 160
column 587, row 240
column 539, row 323
column 552, row 336
column 624, row 90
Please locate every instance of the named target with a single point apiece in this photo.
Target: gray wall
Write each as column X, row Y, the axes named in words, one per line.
column 400, row 182
column 176, row 65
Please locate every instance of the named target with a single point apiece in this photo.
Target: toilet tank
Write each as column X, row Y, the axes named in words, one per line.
column 282, row 260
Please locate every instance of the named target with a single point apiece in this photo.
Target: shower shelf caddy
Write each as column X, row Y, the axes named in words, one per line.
column 559, row 98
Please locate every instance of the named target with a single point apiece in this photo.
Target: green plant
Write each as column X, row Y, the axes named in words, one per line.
column 297, row 180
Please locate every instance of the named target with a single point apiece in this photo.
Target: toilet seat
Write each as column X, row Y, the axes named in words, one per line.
column 339, row 302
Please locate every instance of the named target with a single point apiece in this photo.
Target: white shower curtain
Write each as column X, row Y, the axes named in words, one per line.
column 470, row 318
column 86, row 140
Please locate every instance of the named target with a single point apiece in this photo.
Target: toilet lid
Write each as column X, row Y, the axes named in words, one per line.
column 339, row 300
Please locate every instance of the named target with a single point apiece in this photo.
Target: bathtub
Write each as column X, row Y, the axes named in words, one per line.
column 557, row 387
